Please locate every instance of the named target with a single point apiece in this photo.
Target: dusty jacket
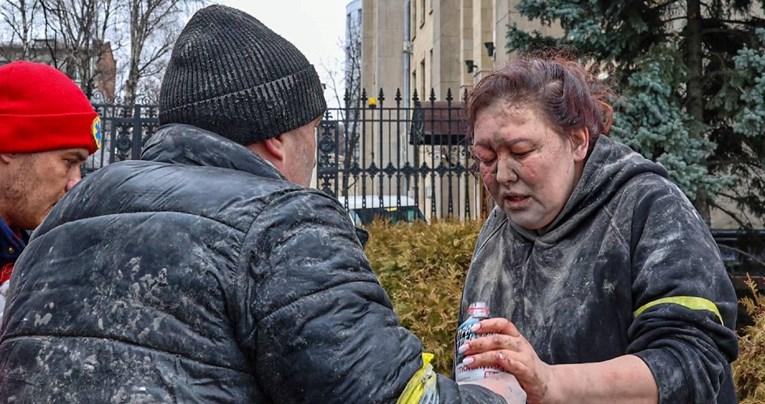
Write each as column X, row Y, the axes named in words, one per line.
column 590, row 288
column 200, row 275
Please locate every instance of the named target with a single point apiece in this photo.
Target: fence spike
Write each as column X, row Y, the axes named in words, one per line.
column 432, row 95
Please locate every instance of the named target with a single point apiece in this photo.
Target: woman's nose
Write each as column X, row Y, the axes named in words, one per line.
column 506, row 172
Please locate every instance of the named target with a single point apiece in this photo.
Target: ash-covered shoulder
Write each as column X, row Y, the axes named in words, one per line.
column 649, row 188
column 298, row 207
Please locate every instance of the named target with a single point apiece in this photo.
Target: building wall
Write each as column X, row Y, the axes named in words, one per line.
column 466, row 48
column 505, row 13
column 382, row 46
column 483, row 32
column 421, row 68
column 446, row 43
column 436, row 39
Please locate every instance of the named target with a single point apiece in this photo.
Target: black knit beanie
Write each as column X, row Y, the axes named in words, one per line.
column 232, row 75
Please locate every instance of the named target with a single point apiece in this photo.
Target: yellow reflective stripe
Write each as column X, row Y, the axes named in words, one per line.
column 415, row 388
column 691, row 302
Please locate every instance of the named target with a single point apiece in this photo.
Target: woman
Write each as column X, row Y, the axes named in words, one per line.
column 607, row 283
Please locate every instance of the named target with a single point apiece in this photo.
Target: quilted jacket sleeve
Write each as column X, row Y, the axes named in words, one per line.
column 314, row 320
column 683, row 301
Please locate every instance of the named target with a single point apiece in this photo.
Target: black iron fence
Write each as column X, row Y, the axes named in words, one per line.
column 405, row 159
column 125, row 130
column 382, row 157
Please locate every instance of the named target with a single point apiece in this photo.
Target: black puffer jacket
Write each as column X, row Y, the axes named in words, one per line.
column 200, row 275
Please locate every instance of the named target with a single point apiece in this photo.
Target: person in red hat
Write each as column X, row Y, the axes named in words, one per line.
column 47, row 130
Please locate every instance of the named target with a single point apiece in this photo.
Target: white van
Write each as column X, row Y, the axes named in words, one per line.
column 363, row 210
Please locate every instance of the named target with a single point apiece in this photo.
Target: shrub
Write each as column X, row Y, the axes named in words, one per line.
column 422, row 267
column 749, row 369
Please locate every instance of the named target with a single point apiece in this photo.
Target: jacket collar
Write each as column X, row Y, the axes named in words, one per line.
column 190, row 145
column 12, row 243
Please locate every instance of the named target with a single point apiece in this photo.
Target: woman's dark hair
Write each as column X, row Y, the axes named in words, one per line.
column 562, row 90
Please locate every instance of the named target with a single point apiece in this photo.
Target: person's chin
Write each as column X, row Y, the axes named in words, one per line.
column 524, row 219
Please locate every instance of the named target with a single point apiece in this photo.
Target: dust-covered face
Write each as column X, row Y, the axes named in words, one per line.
column 36, row 181
column 529, row 169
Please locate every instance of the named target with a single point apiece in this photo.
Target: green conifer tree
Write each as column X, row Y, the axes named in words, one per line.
column 690, row 84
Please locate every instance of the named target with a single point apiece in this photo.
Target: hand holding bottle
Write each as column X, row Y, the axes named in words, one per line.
column 502, row 346
column 491, row 377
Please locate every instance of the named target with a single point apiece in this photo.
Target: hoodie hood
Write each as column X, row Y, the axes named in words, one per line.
column 609, row 167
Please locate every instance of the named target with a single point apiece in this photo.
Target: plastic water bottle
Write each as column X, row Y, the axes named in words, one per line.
column 495, row 379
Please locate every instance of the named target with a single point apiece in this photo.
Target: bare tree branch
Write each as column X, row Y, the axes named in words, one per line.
column 152, row 34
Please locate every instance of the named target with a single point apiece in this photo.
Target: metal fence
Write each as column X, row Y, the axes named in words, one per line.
column 394, row 157
column 379, row 156
column 125, row 130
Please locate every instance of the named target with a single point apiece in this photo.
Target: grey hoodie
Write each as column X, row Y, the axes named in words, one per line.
column 627, row 267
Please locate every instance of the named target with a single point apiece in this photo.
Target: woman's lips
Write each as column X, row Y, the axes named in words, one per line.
column 516, row 201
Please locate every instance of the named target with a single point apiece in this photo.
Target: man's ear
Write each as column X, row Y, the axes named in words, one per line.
column 6, row 158
column 271, row 150
column 275, row 148
column 580, row 141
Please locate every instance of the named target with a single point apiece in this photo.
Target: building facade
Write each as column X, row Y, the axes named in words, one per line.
column 432, row 47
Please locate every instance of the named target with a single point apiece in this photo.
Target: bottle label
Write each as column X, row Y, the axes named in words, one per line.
column 461, row 373
column 495, row 379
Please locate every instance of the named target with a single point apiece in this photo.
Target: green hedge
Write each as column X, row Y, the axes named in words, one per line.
column 423, row 267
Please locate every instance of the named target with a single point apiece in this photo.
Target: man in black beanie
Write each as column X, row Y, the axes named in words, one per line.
column 206, row 272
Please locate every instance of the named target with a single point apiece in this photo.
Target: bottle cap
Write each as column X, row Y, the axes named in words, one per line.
column 478, row 309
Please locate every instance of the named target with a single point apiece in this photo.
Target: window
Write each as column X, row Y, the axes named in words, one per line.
column 430, row 62
column 422, row 12
column 423, row 94
column 414, row 18
column 414, row 81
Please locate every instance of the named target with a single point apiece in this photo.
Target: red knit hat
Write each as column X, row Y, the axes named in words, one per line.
column 41, row 109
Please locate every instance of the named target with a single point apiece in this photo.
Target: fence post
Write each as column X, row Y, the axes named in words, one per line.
column 137, row 133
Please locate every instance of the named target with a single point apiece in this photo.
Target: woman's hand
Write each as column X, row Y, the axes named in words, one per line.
column 508, row 350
